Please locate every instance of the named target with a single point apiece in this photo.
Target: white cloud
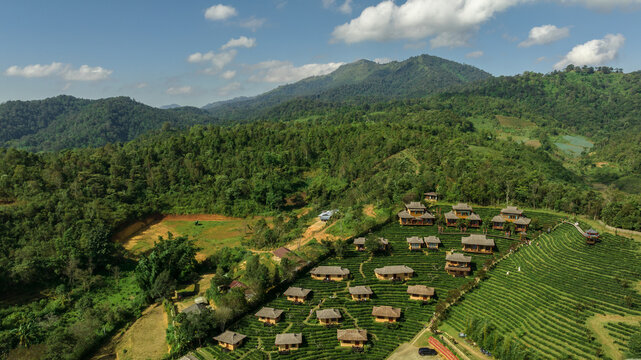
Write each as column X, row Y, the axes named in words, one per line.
column 605, row 4
column 229, row 74
column 275, row 71
column 593, row 52
column 474, row 54
column 183, row 90
column 541, row 58
column 217, row 60
column 230, row 88
column 384, row 60
column 220, row 12
column 64, row 71
column 448, row 22
column 252, row 23
column 545, row 34
column 346, row 8
column 242, row 41
column 141, row 85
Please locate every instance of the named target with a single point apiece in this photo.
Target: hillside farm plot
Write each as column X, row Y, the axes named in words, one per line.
column 562, row 283
column 320, row 342
column 573, row 145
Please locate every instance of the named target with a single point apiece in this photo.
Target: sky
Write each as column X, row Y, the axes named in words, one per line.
column 196, row 52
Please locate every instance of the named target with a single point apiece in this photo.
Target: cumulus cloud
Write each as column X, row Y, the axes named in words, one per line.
column 593, row 52
column 545, row 34
column 229, row 74
column 217, row 60
column 64, row 71
column 605, row 4
column 220, row 12
column 345, row 8
column 252, row 23
column 229, row 88
column 383, row 60
column 242, row 41
column 182, row 90
column 448, row 22
column 275, row 71
column 474, row 54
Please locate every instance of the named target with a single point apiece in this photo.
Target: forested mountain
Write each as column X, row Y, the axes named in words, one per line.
column 66, row 122
column 361, row 81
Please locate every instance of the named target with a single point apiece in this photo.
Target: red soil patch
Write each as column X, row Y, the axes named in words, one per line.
column 199, row 217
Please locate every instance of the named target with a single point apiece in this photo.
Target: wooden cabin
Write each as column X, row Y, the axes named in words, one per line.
column 197, row 308
column 296, row 294
column 328, row 316
column 288, row 342
column 475, row 220
column 498, row 222
column 386, row 314
column 591, row 236
column 415, row 213
column 415, row 243
column 360, row 293
column 420, row 292
column 431, row 196
column 478, row 243
column 462, row 210
column 352, row 337
column 432, row 242
column 359, row 244
column 230, row 340
column 511, row 213
column 450, row 218
column 269, row 315
column 329, row 273
column 394, row 272
column 457, row 264
column 521, row 224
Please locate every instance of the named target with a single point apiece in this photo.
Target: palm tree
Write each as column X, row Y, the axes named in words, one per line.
column 509, row 228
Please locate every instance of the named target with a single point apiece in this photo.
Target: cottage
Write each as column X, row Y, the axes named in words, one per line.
column 359, row 244
column 415, row 213
column 462, row 210
column 386, row 314
column 475, row 220
column 498, row 222
column 478, row 243
column 457, row 264
column 329, row 273
column 328, row 316
column 521, row 224
column 415, row 242
column 420, row 292
column 296, row 294
column 352, row 337
column 197, row 308
column 269, row 315
column 432, row 242
column 591, row 236
column 230, row 340
column 450, row 218
column 511, row 213
column 431, row 196
column 394, row 272
column 360, row 293
column 288, row 342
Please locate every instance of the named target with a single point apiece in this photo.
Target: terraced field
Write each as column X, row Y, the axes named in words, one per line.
column 561, row 283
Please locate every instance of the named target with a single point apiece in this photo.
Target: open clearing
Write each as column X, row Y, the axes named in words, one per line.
column 512, row 122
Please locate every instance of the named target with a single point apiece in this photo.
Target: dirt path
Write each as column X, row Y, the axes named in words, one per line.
column 596, row 324
column 369, row 210
column 317, row 230
column 458, row 351
column 360, row 268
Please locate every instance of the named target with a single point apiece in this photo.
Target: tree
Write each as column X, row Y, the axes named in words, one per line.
column 634, row 345
column 509, row 228
column 193, row 328
column 288, row 267
column 340, row 248
column 163, row 286
column 373, row 245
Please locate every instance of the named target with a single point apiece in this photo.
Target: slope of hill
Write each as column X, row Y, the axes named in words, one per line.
column 418, row 76
column 66, row 122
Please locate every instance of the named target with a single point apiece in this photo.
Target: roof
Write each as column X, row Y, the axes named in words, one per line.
column 281, row 252
column 523, row 221
column 289, row 339
column 477, row 239
column 194, row 309
column 329, row 270
column 459, row 268
column 592, row 232
column 270, row 313
column 230, row 337
column 415, row 205
column 201, row 300
column 432, row 240
column 498, row 219
column 462, row 206
column 415, row 240
column 360, row 241
column 360, row 290
column 431, row 193
column 458, row 257
column 386, row 311
column 236, row 283
column 405, row 215
column 427, row 215
column 450, row 215
column 188, row 357
column 394, row 269
column 328, row 314
column 296, row 291
column 474, row 216
column 351, row 335
column 512, row 210
column 420, row 290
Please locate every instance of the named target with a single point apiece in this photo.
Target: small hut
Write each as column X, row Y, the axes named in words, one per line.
column 329, row 273
column 475, row 220
column 432, row 242
column 352, row 337
column 415, row 242
column 431, row 196
column 450, row 218
column 415, row 213
column 288, row 342
column 478, row 243
column 361, row 293
column 386, row 314
column 498, row 222
column 359, row 243
column 511, row 213
column 328, row 316
column 420, row 292
column 591, row 236
column 394, row 272
column 296, row 294
column 521, row 224
column 230, row 340
column 269, row 315
column 457, row 264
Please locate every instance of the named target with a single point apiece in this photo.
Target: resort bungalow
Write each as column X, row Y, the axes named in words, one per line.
column 415, row 242
column 386, row 314
column 394, row 272
column 475, row 220
column 514, row 215
column 521, row 224
column 269, row 315
column 352, row 337
column 359, row 244
column 462, row 210
column 457, row 264
column 432, row 242
column 415, row 213
column 591, row 236
column 450, row 218
column 329, row 273
column 431, row 196
column 328, row 316
column 230, row 340
column 511, row 213
column 288, row 342
column 420, row 292
column 498, row 222
column 296, row 294
column 361, row 293
column 478, row 243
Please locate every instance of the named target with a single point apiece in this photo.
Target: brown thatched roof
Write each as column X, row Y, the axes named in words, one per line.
column 404, row 215
column 462, row 207
column 281, row 252
column 415, row 240
column 523, row 221
column 420, row 290
column 415, row 205
column 289, row 339
column 329, row 270
column 230, row 337
column 328, row 314
column 195, row 309
column 296, row 291
column 459, row 268
column 431, row 193
column 474, row 217
column 458, row 257
column 351, row 335
column 359, row 241
column 498, row 219
column 450, row 215
column 386, row 311
column 270, row 313
column 394, row 269
column 427, row 215
column 360, row 290
column 432, row 240
column 477, row 239
column 512, row 210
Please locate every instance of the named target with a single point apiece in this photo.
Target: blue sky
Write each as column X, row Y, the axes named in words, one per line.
column 195, row 52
